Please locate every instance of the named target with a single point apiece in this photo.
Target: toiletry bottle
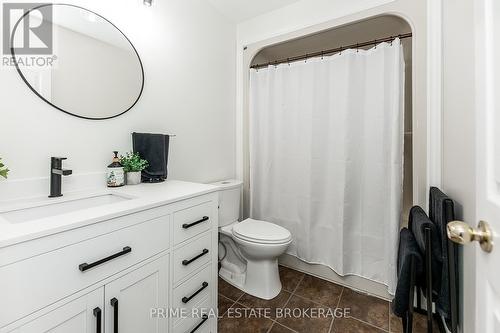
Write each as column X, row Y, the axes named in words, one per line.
column 116, row 175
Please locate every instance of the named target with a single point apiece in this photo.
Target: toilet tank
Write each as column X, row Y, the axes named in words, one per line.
column 229, row 201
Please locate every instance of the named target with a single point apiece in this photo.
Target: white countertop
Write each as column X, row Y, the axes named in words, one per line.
column 141, row 197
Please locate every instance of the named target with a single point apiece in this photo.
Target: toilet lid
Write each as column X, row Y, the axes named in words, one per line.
column 261, row 232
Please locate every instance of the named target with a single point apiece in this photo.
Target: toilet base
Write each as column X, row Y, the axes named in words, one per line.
column 262, row 282
column 263, row 279
column 259, row 278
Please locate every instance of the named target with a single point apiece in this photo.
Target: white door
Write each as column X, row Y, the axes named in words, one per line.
column 487, row 18
column 82, row 315
column 129, row 299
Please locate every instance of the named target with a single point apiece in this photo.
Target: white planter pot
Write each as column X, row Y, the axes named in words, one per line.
column 133, row 178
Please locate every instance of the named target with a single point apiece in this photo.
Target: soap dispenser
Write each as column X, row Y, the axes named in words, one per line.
column 116, row 175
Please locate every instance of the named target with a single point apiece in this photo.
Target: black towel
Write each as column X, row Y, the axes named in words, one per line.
column 153, row 148
column 441, row 211
column 417, row 223
column 408, row 249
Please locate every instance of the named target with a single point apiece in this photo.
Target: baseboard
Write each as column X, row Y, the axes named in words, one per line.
column 326, row 273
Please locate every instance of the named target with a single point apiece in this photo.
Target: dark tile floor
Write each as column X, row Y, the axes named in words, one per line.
column 302, row 291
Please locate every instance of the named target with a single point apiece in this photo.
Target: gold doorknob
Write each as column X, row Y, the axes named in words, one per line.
column 461, row 233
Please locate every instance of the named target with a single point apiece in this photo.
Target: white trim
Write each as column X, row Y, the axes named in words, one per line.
column 434, row 91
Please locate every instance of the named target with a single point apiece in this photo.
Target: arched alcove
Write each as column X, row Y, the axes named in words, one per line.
column 367, row 30
column 357, row 31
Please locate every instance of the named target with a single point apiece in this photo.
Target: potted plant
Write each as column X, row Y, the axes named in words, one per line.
column 4, row 171
column 133, row 164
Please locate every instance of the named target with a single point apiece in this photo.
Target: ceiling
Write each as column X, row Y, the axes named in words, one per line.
column 241, row 10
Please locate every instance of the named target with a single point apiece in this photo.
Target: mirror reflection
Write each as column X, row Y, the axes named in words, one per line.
column 96, row 72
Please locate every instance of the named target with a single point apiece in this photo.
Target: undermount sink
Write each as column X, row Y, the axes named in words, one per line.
column 49, row 209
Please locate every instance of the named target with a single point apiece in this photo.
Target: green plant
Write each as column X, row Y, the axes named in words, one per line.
column 132, row 162
column 4, row 171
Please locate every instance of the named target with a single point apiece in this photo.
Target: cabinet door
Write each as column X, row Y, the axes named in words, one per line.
column 130, row 299
column 82, row 315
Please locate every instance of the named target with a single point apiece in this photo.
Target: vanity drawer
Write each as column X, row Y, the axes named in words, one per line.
column 189, row 293
column 196, row 322
column 192, row 221
column 192, row 256
column 31, row 284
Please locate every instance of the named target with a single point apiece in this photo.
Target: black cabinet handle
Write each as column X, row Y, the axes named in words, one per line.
column 98, row 316
column 205, row 318
column 187, row 299
column 187, row 262
column 83, row 267
column 114, row 304
column 189, row 225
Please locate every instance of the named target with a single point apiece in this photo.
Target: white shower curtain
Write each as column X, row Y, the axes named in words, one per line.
column 326, row 157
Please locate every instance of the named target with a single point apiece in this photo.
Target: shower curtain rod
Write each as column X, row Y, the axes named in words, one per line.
column 331, row 51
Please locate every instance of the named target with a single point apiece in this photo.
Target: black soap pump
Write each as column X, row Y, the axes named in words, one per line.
column 116, row 174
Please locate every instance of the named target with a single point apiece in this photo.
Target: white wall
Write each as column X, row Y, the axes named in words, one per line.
column 188, row 52
column 459, row 153
column 299, row 15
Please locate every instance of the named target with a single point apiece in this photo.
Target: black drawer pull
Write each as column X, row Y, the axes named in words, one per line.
column 189, row 225
column 83, row 267
column 205, row 318
column 187, row 262
column 187, row 299
column 114, row 304
column 98, row 316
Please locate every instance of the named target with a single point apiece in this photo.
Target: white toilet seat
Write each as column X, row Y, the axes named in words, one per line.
column 261, row 232
column 249, row 249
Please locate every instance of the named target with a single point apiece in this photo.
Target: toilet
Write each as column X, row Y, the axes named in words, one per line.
column 248, row 250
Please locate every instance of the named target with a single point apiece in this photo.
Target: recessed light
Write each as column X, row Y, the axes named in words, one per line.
column 148, row 3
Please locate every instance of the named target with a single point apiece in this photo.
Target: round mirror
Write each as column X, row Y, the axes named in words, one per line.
column 77, row 61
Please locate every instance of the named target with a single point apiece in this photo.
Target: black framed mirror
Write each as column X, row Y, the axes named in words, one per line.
column 93, row 72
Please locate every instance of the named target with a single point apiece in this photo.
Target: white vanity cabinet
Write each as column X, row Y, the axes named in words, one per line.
column 128, row 274
column 129, row 299
column 81, row 315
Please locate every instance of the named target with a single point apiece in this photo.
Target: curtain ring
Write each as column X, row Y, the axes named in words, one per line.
column 375, row 44
column 392, row 39
column 307, row 58
column 288, row 61
column 322, row 54
column 357, row 48
column 341, row 48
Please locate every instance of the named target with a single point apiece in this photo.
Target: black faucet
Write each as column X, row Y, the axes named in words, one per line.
column 56, row 173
